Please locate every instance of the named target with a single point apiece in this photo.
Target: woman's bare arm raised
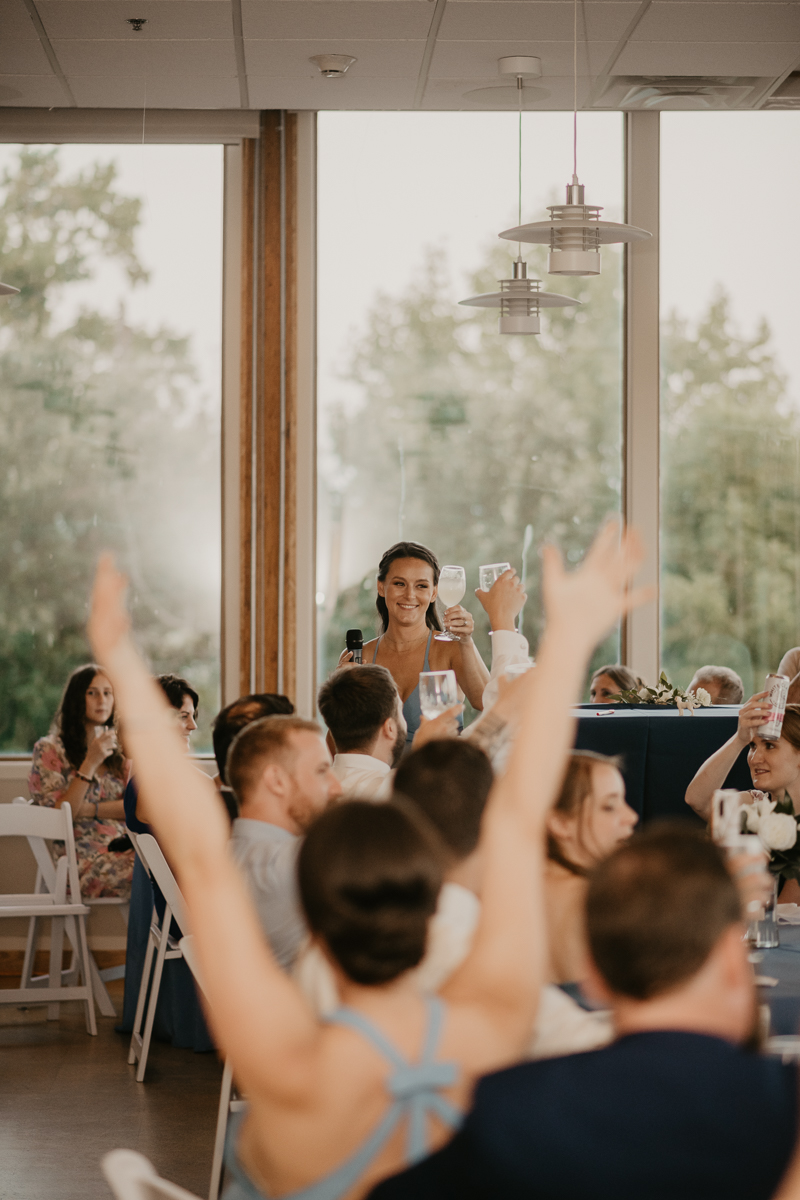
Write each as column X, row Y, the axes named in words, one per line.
column 505, row 969
column 241, row 979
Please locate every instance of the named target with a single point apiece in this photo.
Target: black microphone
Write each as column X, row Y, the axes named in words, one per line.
column 355, row 642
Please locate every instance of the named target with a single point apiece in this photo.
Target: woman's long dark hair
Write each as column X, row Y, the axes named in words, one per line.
column 70, row 720
column 408, row 550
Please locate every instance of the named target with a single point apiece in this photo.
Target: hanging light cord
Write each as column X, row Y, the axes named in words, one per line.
column 519, row 182
column 575, row 93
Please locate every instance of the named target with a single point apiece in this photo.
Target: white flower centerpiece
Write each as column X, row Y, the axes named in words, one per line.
column 666, row 695
column 776, row 824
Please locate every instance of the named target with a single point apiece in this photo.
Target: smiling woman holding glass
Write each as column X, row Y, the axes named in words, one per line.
column 408, row 582
column 80, row 761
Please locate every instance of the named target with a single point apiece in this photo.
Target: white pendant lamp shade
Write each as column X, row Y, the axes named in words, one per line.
column 575, row 234
column 519, row 301
column 7, row 290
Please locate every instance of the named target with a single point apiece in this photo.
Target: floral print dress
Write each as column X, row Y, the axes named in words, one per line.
column 101, row 872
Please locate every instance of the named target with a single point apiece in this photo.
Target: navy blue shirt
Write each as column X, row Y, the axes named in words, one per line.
column 653, row 1116
column 130, row 800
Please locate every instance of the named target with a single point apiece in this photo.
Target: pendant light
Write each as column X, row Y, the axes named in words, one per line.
column 575, row 232
column 520, row 299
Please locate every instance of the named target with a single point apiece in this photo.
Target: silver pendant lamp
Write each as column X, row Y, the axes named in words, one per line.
column 520, row 299
column 574, row 231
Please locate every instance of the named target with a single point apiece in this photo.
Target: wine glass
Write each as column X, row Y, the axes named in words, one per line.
column 490, row 573
column 438, row 690
column 452, row 586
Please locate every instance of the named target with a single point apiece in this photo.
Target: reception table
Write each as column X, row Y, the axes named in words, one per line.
column 782, row 964
column 661, row 751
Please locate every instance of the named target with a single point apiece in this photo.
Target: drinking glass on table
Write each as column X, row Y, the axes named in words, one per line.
column 452, row 586
column 438, row 690
column 490, row 573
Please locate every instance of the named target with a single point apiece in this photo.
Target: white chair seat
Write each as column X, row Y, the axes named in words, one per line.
column 131, row 1176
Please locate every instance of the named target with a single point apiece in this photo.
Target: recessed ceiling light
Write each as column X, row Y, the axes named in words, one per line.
column 333, row 66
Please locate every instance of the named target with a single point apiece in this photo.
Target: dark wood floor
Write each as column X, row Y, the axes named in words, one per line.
column 66, row 1098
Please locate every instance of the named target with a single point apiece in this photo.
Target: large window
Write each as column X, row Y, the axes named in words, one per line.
column 432, row 426
column 730, row 433
column 109, row 411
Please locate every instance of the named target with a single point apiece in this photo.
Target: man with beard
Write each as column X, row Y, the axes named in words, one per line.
column 363, row 711
column 281, row 772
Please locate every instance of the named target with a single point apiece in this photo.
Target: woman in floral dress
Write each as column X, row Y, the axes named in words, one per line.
column 80, row 761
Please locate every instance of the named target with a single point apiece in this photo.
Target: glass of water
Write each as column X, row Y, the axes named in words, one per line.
column 490, row 573
column 438, row 690
column 452, row 586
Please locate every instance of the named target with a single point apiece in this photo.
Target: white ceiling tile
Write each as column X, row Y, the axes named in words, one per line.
column 361, row 19
column 679, row 21
column 23, row 58
column 467, row 60
column 34, row 91
column 331, row 94
column 530, row 20
column 89, row 19
column 16, row 23
column 711, row 58
column 290, row 60
column 153, row 59
column 178, row 91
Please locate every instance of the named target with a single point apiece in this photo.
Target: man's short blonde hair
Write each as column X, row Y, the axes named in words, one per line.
column 260, row 743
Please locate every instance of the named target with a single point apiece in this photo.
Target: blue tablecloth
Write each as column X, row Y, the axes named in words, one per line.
column 661, row 751
column 783, row 964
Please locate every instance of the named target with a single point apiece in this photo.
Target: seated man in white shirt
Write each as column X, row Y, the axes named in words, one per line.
column 281, row 772
column 363, row 711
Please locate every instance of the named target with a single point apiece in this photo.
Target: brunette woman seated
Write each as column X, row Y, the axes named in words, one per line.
column 80, row 761
column 589, row 820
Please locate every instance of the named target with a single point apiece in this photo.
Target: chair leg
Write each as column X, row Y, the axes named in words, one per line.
column 137, row 1020
column 101, row 996
column 30, row 952
column 56, row 954
column 153, row 1001
column 222, row 1129
column 91, row 1023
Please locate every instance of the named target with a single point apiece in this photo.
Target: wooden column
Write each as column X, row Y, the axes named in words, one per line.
column 268, row 408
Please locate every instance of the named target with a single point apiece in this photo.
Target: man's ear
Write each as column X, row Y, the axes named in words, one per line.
column 594, row 986
column 274, row 777
column 389, row 729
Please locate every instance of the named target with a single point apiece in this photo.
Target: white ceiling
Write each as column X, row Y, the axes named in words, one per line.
column 254, row 54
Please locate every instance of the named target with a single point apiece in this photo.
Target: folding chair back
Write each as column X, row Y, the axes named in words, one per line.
column 159, row 945
column 131, row 1176
column 60, row 902
column 162, row 874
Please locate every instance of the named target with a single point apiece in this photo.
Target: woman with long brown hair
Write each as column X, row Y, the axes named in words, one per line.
column 80, row 762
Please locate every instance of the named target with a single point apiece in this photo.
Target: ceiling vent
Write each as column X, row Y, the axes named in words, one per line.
column 661, row 93
column 787, row 95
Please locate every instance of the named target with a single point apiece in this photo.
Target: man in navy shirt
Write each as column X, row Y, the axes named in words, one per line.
column 680, row 1106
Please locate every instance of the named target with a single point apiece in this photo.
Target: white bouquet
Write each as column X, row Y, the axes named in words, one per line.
column 776, row 825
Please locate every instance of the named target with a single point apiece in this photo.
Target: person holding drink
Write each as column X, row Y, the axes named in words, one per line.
column 408, row 586
column 80, row 761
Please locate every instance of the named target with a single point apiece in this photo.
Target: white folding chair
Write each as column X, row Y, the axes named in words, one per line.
column 131, row 1176
column 45, row 881
column 60, row 903
column 159, row 943
column 228, row 1102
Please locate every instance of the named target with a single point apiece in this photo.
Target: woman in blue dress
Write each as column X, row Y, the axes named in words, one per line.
column 408, row 577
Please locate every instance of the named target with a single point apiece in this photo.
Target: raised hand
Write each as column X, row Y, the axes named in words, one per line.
column 109, row 622
column 592, row 598
column 751, row 715
column 504, row 600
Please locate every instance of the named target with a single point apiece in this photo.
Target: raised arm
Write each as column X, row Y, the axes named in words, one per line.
column 715, row 769
column 505, row 969
column 241, row 979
